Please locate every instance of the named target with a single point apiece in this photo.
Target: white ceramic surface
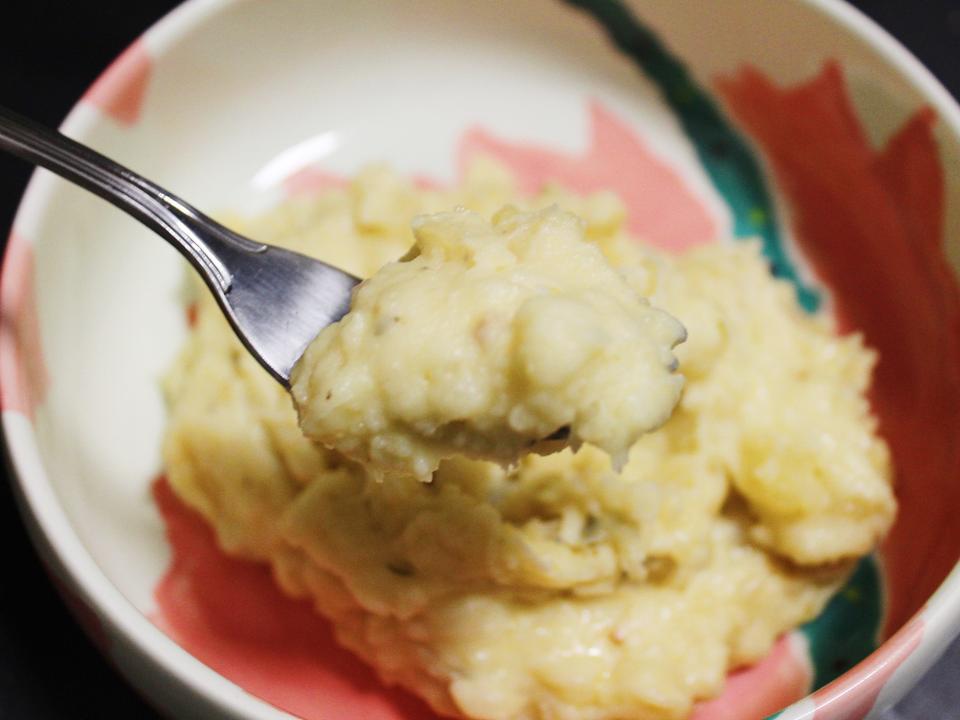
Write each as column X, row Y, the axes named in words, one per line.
column 236, row 84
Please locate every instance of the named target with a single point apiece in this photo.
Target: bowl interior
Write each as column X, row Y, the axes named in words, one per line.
column 224, row 102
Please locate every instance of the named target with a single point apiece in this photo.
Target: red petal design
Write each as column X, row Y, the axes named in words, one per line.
column 871, row 224
column 230, row 615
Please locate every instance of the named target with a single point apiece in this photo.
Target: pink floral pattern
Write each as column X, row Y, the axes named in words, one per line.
column 23, row 372
column 662, row 209
column 120, row 91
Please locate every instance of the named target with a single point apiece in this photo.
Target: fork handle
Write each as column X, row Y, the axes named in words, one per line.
column 201, row 240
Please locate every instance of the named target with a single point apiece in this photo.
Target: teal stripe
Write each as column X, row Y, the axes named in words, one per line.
column 847, row 629
column 724, row 153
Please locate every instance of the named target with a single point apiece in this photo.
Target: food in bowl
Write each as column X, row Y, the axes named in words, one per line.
column 485, row 340
column 555, row 587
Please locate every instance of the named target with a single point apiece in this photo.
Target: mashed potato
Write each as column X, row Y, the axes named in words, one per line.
column 485, row 340
column 555, row 588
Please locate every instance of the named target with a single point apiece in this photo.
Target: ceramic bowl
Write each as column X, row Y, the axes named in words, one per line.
column 798, row 121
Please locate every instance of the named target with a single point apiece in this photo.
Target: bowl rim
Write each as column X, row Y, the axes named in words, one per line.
column 130, row 631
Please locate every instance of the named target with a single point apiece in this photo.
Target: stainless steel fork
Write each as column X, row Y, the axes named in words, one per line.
column 276, row 300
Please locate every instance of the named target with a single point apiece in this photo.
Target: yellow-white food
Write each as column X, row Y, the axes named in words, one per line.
column 483, row 341
column 555, row 589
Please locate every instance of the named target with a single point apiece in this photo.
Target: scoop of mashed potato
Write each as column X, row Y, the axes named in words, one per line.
column 555, row 588
column 483, row 341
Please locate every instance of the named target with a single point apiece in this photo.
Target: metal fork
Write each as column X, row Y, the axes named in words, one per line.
column 276, row 300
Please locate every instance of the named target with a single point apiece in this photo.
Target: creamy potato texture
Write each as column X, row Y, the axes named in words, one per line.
column 554, row 588
column 485, row 340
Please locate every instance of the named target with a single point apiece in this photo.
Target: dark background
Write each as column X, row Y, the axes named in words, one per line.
column 50, row 51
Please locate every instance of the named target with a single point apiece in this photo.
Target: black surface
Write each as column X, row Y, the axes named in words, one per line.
column 49, row 54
